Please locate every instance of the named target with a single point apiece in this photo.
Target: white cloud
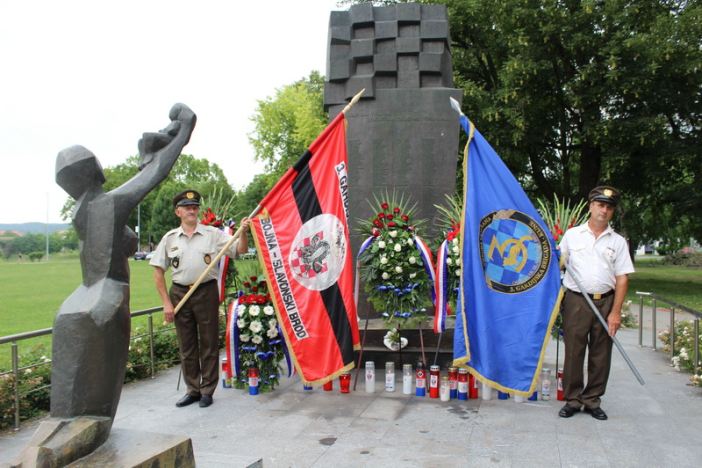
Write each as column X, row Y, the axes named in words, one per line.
column 99, row 74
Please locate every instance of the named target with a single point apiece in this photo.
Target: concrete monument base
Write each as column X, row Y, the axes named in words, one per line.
column 84, row 442
column 128, row 448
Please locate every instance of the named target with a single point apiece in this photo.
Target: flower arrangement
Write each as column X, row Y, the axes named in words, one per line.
column 560, row 216
column 258, row 338
column 393, row 264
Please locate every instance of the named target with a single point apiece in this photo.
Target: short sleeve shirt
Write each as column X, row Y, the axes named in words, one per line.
column 596, row 262
column 190, row 256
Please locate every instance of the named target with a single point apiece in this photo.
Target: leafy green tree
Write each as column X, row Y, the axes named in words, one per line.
column 157, row 214
column 577, row 93
column 287, row 123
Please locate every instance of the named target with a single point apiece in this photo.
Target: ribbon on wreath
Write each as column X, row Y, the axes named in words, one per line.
column 428, row 262
column 231, row 339
column 224, row 266
column 357, row 280
column 440, row 288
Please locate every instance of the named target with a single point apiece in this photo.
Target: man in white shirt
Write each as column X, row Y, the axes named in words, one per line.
column 188, row 250
column 599, row 258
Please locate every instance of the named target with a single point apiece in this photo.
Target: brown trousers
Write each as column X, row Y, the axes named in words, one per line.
column 197, row 327
column 582, row 330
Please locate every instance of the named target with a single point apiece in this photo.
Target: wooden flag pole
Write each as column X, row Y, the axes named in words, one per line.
column 214, row 262
column 353, row 101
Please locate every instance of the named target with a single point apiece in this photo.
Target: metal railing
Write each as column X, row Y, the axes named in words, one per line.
column 655, row 299
column 14, row 341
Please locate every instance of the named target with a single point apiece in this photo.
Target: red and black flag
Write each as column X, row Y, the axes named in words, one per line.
column 302, row 237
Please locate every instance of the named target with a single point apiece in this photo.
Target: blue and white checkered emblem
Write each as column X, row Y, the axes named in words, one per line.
column 515, row 251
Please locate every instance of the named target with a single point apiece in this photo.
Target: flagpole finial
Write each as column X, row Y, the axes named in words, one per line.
column 455, row 105
column 354, row 100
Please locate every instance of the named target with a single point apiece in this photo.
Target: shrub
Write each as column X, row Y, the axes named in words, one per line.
column 33, row 256
column 34, row 382
column 684, row 345
column 33, row 388
column 690, row 259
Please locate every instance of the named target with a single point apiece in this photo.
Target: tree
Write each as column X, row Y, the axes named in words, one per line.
column 577, row 93
column 157, row 214
column 287, row 123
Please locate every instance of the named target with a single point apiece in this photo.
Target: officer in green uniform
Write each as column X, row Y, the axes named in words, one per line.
column 188, row 250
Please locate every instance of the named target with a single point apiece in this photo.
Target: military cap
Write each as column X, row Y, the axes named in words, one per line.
column 606, row 194
column 189, row 197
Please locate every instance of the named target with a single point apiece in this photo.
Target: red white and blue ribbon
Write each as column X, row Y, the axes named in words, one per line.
column 440, row 288
column 224, row 266
column 428, row 261
column 231, row 339
column 364, row 246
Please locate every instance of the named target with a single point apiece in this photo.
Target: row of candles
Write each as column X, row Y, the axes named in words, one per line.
column 457, row 384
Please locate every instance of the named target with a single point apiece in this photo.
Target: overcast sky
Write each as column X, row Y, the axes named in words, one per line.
column 99, row 74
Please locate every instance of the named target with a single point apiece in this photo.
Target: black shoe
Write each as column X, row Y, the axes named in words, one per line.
column 205, row 401
column 597, row 413
column 568, row 411
column 188, row 399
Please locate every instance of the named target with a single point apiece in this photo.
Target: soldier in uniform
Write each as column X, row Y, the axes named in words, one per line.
column 188, row 250
column 600, row 259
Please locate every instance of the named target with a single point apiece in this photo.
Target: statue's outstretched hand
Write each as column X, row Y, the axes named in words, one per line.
column 182, row 122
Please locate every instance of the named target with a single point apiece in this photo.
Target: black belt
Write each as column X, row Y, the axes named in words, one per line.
column 594, row 296
column 190, row 285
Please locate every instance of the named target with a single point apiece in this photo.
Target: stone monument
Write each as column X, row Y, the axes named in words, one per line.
column 92, row 328
column 403, row 133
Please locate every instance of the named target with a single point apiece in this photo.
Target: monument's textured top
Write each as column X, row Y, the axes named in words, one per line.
column 397, row 46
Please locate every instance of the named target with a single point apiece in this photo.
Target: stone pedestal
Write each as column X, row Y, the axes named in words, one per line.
column 84, row 442
column 141, row 449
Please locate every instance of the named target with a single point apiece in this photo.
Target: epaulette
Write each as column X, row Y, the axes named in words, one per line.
column 171, row 232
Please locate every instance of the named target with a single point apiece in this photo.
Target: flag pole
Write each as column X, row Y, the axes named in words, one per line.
column 214, row 262
column 353, row 101
column 604, row 324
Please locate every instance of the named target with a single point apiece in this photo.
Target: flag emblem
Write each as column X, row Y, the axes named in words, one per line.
column 318, row 254
column 515, row 251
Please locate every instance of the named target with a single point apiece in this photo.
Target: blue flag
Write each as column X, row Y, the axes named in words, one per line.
column 510, row 280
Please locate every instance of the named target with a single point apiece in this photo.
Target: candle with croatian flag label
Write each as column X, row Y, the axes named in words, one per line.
column 421, row 380
column 253, row 381
column 453, row 382
column 463, row 384
column 434, row 372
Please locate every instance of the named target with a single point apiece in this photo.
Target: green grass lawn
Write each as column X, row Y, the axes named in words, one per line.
column 32, row 292
column 680, row 284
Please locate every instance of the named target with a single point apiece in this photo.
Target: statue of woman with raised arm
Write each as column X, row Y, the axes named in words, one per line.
column 92, row 328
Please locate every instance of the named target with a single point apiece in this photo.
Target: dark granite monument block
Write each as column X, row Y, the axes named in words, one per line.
column 403, row 133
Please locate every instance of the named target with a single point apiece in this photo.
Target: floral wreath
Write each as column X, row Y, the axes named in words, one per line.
column 396, row 266
column 253, row 337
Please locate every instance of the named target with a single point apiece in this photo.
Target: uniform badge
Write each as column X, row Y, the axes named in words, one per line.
column 208, row 259
column 175, row 261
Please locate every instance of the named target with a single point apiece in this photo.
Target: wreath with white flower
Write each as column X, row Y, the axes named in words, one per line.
column 393, row 263
column 257, row 337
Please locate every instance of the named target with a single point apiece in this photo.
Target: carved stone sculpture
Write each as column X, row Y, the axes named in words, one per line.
column 92, row 328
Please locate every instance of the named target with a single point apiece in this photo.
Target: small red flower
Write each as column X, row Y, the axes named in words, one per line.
column 390, row 217
column 405, row 218
column 254, row 288
column 396, row 210
column 381, row 215
column 384, row 205
column 375, row 232
column 377, row 223
column 392, row 224
column 254, row 278
column 247, row 284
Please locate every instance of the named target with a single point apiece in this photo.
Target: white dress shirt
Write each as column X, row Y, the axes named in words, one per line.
column 595, row 261
column 189, row 256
